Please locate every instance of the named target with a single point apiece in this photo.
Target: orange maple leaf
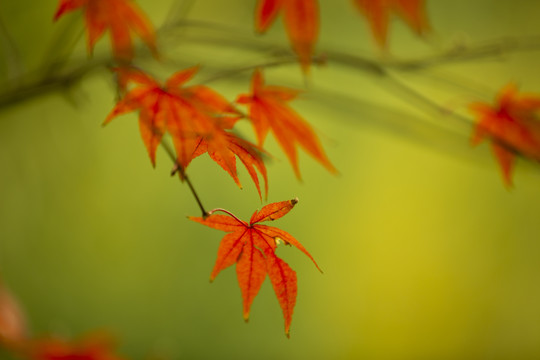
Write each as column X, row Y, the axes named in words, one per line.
column 268, row 109
column 196, row 117
column 378, row 13
column 120, row 17
column 301, row 19
column 252, row 247
column 512, row 125
column 97, row 346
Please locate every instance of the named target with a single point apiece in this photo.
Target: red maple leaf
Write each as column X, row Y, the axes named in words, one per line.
column 97, row 346
column 252, row 247
column 378, row 13
column 512, row 125
column 196, row 117
column 268, row 109
column 120, row 17
column 301, row 19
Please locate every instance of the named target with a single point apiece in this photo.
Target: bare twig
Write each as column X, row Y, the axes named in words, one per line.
column 224, row 36
column 65, row 76
column 34, row 86
column 184, row 176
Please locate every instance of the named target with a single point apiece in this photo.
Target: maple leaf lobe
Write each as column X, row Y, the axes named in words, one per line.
column 301, row 20
column 273, row 211
column 268, row 110
column 378, row 13
column 122, row 18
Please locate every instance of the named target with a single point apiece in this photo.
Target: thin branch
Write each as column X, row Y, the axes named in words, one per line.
column 61, row 46
column 178, row 11
column 464, row 52
column 420, row 99
column 32, row 86
column 184, row 176
column 287, row 60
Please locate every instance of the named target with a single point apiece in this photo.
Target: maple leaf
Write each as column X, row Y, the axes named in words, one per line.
column 13, row 331
column 512, row 125
column 268, row 109
column 378, row 13
column 196, row 117
column 301, row 19
column 252, row 247
column 96, row 346
column 120, row 17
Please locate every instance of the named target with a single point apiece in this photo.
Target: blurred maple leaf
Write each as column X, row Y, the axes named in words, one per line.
column 301, row 19
column 512, row 126
column 377, row 12
column 252, row 247
column 13, row 331
column 120, row 17
column 268, row 109
column 196, row 117
column 95, row 346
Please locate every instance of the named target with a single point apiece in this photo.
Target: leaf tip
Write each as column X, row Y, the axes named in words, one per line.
column 195, row 218
column 508, row 183
column 59, row 12
column 295, row 201
column 107, row 120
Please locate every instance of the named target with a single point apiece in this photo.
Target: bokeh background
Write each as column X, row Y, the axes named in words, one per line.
column 425, row 254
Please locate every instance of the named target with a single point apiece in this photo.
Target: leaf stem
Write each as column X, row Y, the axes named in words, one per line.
column 184, row 176
column 228, row 213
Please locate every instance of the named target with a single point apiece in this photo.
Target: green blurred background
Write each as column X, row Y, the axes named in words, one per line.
column 425, row 254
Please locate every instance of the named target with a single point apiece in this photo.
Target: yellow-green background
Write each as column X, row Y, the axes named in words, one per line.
column 425, row 254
